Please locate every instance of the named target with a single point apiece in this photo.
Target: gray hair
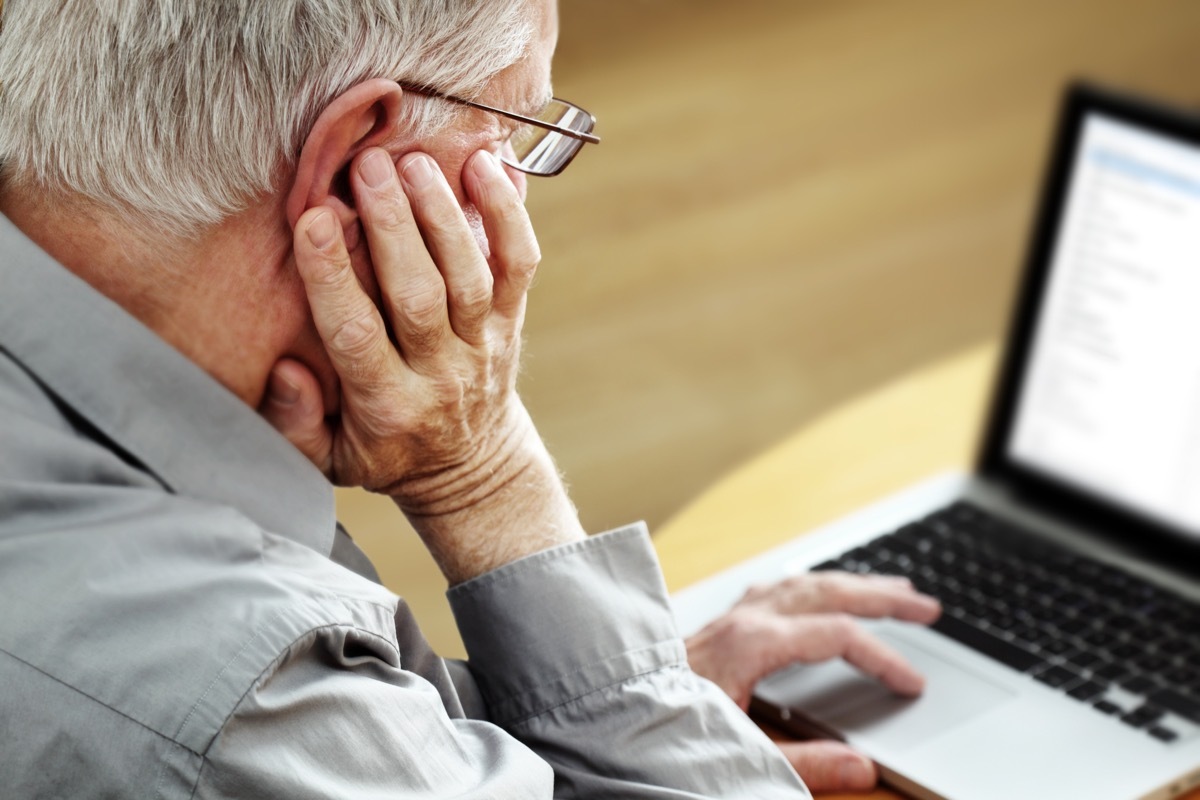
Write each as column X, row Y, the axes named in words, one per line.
column 181, row 112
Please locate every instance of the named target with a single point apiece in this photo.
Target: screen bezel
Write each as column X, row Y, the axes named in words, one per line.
column 1039, row 488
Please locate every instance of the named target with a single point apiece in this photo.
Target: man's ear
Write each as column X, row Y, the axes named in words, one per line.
column 363, row 116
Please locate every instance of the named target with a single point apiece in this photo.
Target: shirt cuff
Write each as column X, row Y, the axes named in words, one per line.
column 554, row 626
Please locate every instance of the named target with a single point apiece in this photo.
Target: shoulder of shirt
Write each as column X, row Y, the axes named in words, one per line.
column 128, row 608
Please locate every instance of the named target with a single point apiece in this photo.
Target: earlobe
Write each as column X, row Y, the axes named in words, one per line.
column 365, row 115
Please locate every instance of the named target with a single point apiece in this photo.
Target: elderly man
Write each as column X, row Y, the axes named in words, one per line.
column 229, row 221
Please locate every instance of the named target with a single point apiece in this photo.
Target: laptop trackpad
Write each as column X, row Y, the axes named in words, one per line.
column 845, row 703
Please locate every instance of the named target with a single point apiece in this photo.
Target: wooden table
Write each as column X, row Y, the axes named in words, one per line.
column 921, row 424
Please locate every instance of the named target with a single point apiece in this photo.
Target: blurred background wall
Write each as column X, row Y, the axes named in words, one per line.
column 794, row 202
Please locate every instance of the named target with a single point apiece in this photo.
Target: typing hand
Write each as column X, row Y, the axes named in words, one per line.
column 811, row 618
column 428, row 414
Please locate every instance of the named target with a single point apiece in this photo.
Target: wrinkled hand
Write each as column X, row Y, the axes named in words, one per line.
column 431, row 412
column 811, row 618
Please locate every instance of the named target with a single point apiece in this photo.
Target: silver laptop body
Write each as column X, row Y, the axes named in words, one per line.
column 1094, row 448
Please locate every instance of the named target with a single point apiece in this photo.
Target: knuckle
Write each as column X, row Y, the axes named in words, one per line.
column 508, row 208
column 846, row 626
column 474, row 301
column 328, row 271
column 838, row 587
column 525, row 255
column 740, row 625
column 510, row 216
column 423, row 308
column 390, row 216
column 530, row 259
column 356, row 336
column 824, row 587
column 756, row 591
column 795, row 583
column 439, row 224
column 837, row 594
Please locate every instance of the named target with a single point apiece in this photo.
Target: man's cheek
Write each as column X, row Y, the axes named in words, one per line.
column 475, row 222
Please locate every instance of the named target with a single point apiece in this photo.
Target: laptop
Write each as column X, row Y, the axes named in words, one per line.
column 1067, row 661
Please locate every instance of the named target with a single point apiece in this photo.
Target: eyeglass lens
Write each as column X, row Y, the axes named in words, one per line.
column 545, row 152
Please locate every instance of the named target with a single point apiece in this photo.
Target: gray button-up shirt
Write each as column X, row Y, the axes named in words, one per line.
column 179, row 616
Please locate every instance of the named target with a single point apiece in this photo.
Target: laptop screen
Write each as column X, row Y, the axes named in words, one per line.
column 1110, row 394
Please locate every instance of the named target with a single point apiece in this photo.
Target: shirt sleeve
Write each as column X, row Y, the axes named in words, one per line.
column 575, row 660
column 340, row 718
column 576, row 654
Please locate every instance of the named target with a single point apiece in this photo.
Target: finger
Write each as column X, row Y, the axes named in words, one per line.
column 860, row 595
column 349, row 324
column 830, row 766
column 820, row 637
column 293, row 406
column 455, row 250
column 514, row 247
column 414, row 291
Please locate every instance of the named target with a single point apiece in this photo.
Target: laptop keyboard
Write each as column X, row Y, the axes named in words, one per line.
column 1102, row 636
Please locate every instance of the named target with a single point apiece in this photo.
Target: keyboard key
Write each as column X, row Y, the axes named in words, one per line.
column 1174, row 647
column 1152, row 663
column 1025, row 633
column 1146, row 636
column 989, row 644
column 1183, row 705
column 1111, row 671
column 1141, row 717
column 1182, row 676
column 1073, row 627
column 1100, row 638
column 1055, row 647
column 1139, row 684
column 1123, row 622
column 1087, row 690
column 1057, row 677
column 1125, row 650
column 1163, row 734
column 1106, row 707
column 1003, row 622
column 1084, row 659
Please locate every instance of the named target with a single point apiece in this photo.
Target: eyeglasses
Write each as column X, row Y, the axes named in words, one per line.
column 542, row 145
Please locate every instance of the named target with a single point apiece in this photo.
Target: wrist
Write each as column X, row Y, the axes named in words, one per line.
column 507, row 502
column 491, row 462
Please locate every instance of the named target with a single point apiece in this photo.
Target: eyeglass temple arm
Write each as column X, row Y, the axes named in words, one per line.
column 574, row 134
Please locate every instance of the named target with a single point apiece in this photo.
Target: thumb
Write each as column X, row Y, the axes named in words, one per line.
column 293, row 406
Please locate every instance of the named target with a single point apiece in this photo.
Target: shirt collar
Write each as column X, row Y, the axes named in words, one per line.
column 192, row 433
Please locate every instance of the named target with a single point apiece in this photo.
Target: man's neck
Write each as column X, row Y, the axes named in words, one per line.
column 201, row 295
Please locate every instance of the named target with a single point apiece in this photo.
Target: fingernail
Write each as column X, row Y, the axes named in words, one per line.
column 857, row 774
column 375, row 169
column 320, row 230
column 283, row 391
column 486, row 166
column 418, row 172
column 910, row 685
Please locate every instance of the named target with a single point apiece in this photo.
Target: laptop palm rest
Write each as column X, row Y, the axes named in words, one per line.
column 834, row 699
